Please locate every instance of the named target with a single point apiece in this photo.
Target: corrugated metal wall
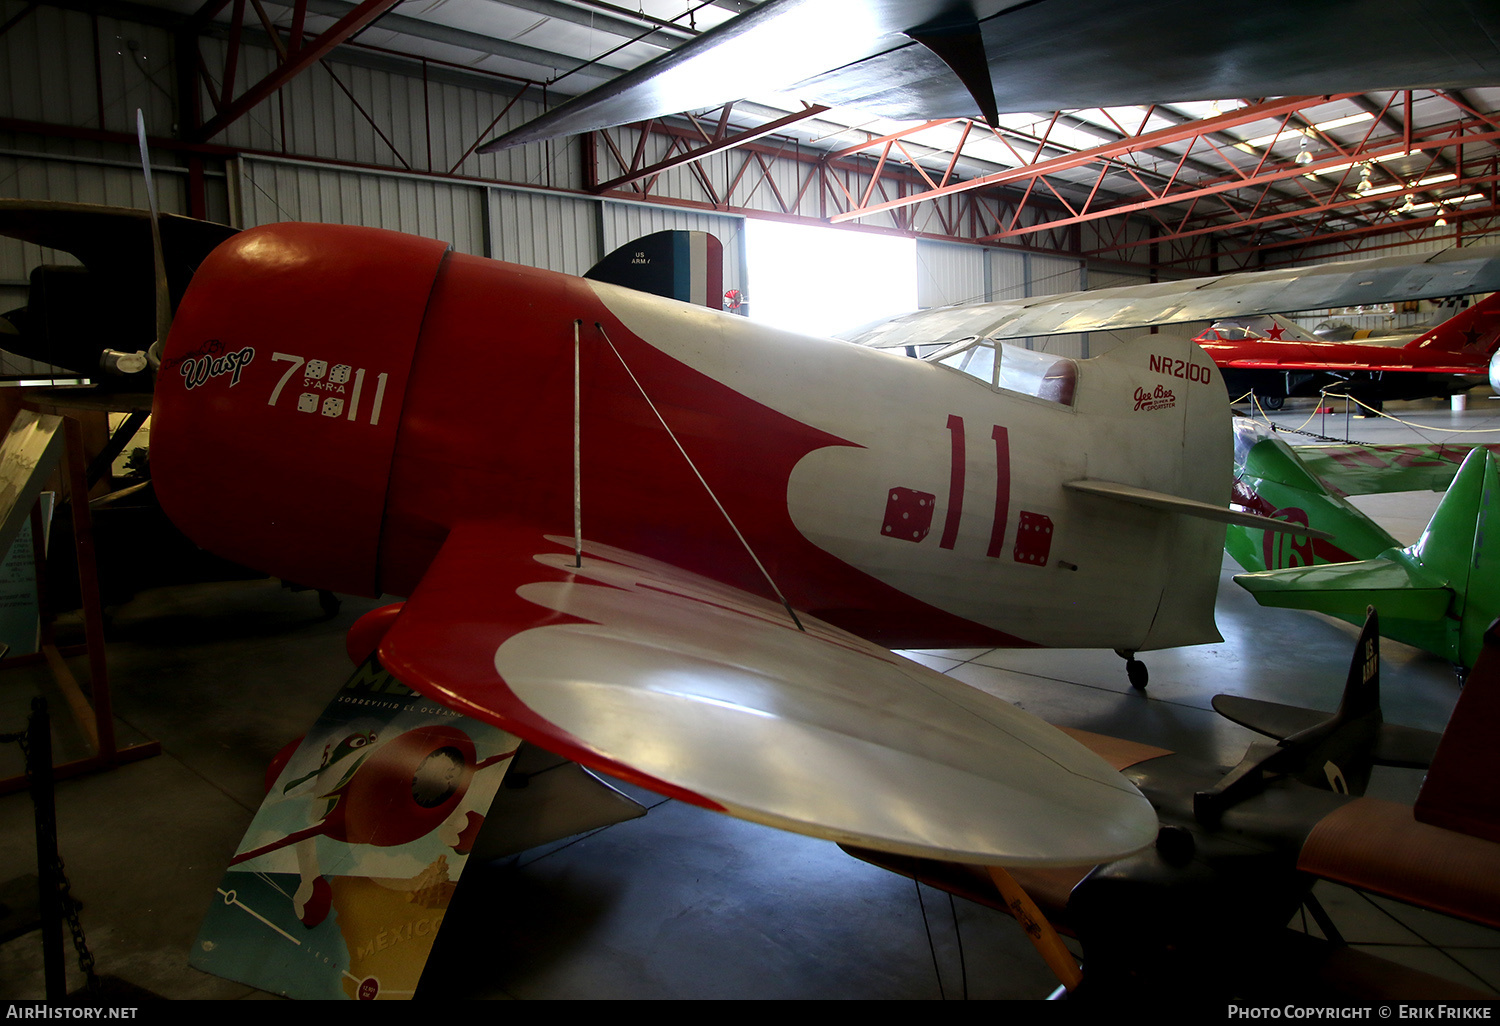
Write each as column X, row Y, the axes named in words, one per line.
column 560, row 233
column 1016, row 275
column 348, row 112
column 275, row 190
column 47, row 71
column 948, row 273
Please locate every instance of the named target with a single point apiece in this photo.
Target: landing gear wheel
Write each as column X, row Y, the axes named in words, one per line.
column 1134, row 668
column 1271, row 402
column 329, row 603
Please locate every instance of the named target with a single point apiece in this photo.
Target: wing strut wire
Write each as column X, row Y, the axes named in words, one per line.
column 691, row 465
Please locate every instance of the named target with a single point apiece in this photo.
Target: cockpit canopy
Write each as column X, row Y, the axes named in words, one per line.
column 1002, row 365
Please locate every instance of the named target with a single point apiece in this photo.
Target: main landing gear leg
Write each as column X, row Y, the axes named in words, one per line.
column 1134, row 668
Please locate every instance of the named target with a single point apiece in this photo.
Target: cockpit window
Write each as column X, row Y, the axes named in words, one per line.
column 1001, row 365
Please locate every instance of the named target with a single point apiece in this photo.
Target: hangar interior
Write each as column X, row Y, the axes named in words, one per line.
column 375, row 114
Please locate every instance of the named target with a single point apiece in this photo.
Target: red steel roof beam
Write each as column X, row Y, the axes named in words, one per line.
column 1190, row 130
column 1232, row 185
column 881, row 140
column 749, row 135
column 297, row 62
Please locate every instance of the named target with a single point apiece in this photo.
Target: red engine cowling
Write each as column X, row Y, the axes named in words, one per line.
column 279, row 394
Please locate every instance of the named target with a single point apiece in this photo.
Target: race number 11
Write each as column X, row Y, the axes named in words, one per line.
column 957, row 466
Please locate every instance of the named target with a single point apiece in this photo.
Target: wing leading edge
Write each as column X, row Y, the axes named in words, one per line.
column 709, row 694
column 1451, row 272
column 958, row 58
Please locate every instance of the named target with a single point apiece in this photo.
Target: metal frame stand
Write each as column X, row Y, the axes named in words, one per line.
column 93, row 712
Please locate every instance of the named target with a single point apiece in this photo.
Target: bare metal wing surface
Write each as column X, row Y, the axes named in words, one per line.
column 1383, row 279
column 957, row 58
column 711, row 695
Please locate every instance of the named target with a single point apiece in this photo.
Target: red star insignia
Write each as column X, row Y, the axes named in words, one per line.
column 1275, row 333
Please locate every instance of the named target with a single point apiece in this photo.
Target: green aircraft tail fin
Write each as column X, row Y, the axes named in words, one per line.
column 1455, row 547
column 1439, row 594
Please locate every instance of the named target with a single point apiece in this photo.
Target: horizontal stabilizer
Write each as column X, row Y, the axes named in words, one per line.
column 1394, row 584
column 1402, row 747
column 717, row 697
column 1189, row 507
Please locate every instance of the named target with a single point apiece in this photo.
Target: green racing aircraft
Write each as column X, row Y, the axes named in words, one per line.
column 1438, row 594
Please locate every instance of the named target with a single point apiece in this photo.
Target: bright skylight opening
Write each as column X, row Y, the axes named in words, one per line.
column 818, row 281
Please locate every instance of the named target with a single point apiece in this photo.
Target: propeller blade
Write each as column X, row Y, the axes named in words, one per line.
column 163, row 295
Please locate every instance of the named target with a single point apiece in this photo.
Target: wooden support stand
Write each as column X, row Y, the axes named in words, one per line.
column 91, row 710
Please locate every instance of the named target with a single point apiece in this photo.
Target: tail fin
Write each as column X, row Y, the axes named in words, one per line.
column 1472, row 331
column 682, row 265
column 1454, row 547
column 1336, row 753
column 1340, row 752
column 1438, row 594
column 1456, row 794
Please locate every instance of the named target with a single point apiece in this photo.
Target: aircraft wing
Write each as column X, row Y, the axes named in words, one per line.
column 713, row 696
column 912, row 59
column 1382, row 279
column 1378, row 846
column 1377, row 469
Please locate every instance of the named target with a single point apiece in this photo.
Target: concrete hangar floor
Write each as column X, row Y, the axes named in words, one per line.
column 681, row 903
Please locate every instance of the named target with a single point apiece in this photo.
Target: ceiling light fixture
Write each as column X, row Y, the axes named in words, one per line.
column 1304, row 155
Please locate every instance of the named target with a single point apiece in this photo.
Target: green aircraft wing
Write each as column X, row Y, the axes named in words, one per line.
column 1376, row 469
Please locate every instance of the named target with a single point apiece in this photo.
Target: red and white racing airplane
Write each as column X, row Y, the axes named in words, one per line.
column 672, row 544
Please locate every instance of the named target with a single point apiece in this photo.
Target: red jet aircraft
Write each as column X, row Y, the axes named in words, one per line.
column 1275, row 359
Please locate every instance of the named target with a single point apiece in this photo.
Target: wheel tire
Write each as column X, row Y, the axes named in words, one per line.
column 1139, row 676
column 1271, row 402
